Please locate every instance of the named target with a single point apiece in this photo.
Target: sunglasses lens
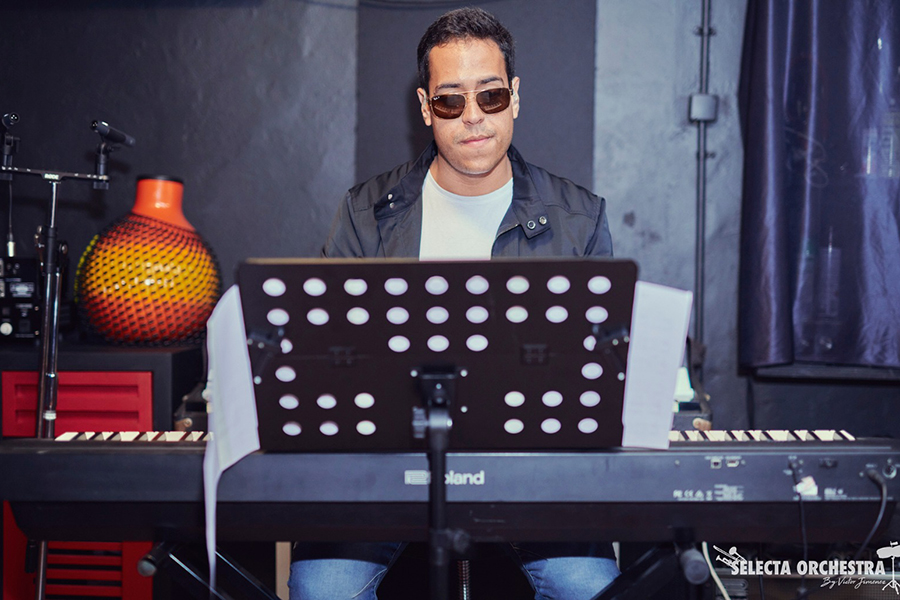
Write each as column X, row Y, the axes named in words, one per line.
column 451, row 106
column 448, row 106
column 493, row 101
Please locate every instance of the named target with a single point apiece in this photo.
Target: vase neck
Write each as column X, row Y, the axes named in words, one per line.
column 161, row 199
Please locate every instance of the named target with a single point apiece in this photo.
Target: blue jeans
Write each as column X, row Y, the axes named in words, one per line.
column 556, row 571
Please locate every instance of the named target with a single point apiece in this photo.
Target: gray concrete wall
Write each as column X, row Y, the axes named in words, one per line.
column 648, row 65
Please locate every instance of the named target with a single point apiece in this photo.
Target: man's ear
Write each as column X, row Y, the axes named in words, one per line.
column 515, row 98
column 423, row 105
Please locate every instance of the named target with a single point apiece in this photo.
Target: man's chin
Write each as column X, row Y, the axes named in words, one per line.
column 477, row 168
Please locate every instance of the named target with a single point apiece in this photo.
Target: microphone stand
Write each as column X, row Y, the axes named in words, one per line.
column 8, row 149
column 51, row 253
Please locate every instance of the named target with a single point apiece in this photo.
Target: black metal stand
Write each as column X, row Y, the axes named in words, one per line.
column 51, row 253
column 438, row 389
column 657, row 568
column 331, row 343
column 194, row 581
column 7, row 150
column 563, row 334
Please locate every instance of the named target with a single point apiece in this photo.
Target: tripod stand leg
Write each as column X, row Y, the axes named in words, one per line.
column 659, row 567
column 166, row 556
column 655, row 569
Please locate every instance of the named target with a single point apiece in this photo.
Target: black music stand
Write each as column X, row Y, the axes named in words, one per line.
column 400, row 355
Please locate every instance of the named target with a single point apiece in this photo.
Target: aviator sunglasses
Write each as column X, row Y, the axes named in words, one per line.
column 451, row 106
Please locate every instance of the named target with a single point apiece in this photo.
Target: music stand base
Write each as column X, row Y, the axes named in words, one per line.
column 167, row 556
column 653, row 571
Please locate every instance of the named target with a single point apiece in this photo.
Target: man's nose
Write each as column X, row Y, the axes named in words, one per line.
column 472, row 113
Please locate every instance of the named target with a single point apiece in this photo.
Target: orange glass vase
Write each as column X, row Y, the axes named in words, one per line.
column 149, row 279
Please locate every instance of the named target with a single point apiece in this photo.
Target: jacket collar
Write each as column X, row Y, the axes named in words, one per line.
column 527, row 209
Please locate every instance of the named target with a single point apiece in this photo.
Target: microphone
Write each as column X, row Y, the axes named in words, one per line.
column 9, row 144
column 10, row 119
column 112, row 134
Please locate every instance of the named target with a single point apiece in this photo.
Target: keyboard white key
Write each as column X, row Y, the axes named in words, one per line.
column 134, row 436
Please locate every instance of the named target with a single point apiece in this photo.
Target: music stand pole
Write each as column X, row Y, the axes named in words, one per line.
column 438, row 388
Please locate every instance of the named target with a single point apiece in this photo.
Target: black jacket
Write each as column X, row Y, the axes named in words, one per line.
column 549, row 216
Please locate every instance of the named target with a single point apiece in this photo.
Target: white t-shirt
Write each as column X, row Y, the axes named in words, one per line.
column 460, row 227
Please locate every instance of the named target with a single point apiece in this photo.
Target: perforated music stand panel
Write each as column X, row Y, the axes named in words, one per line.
column 336, row 347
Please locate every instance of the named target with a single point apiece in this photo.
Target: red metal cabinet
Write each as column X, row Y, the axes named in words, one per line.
column 87, row 401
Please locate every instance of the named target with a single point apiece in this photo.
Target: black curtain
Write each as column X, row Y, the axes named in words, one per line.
column 820, row 248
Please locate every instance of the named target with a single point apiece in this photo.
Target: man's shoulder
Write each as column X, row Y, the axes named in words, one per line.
column 555, row 190
column 369, row 191
column 367, row 194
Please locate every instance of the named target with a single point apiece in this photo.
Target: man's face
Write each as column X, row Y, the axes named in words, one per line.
column 472, row 147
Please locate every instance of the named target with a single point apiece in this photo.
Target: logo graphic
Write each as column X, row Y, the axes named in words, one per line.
column 422, row 477
column 834, row 572
column 892, row 552
column 730, row 558
column 416, row 477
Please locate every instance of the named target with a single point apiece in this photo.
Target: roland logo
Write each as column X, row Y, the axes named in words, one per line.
column 421, row 477
column 454, row 478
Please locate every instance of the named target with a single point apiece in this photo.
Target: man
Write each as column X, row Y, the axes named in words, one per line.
column 470, row 195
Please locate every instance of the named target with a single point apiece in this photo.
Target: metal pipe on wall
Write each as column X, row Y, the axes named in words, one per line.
column 703, row 109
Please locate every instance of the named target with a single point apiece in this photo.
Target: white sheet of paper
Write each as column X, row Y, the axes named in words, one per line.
column 232, row 416
column 659, row 326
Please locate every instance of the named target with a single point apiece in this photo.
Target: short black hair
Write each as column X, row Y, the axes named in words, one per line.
column 460, row 24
